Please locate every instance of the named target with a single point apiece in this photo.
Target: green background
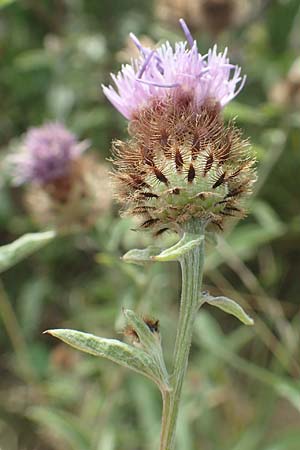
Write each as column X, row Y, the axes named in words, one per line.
column 242, row 390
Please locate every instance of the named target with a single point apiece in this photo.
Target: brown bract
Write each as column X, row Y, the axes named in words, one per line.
column 180, row 164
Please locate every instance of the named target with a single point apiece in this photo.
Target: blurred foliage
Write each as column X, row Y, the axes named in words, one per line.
column 242, row 391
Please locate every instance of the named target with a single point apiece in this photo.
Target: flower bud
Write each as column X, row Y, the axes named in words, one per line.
column 152, row 324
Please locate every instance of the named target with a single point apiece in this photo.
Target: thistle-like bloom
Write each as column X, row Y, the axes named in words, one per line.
column 180, row 165
column 182, row 162
column 167, row 71
column 65, row 188
column 46, row 155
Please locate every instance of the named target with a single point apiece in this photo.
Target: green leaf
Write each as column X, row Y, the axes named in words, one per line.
column 229, row 306
column 187, row 243
column 150, row 341
column 141, row 256
column 174, row 253
column 113, row 349
column 11, row 254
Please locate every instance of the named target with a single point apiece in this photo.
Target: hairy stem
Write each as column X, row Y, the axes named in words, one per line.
column 192, row 270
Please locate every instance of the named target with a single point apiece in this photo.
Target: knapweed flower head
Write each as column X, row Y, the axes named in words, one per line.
column 182, row 161
column 65, row 188
column 172, row 72
column 47, row 153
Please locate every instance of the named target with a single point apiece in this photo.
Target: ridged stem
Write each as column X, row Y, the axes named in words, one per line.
column 192, row 271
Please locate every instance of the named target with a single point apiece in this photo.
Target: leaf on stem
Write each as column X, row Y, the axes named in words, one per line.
column 187, row 243
column 141, row 256
column 150, row 254
column 150, row 341
column 113, row 349
column 147, row 338
column 11, row 254
column 229, row 306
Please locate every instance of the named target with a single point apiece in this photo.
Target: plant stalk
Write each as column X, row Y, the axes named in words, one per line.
column 192, row 265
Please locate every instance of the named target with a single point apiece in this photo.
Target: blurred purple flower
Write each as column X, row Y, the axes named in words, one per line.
column 167, row 70
column 46, row 154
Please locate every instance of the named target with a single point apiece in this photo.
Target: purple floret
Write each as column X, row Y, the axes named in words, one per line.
column 46, row 154
column 160, row 72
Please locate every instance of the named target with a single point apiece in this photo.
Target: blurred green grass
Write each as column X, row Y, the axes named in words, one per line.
column 243, row 389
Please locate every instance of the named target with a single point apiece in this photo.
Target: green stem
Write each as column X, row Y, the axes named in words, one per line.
column 192, row 270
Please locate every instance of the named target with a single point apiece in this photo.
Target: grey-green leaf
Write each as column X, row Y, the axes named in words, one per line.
column 141, row 256
column 11, row 254
column 113, row 349
column 174, row 253
column 150, row 341
column 229, row 306
column 187, row 243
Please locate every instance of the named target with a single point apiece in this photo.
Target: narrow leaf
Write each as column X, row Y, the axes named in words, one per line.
column 174, row 253
column 141, row 256
column 11, row 254
column 188, row 242
column 150, row 341
column 230, row 307
column 113, row 349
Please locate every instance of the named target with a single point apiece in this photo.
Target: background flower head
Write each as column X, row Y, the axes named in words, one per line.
column 172, row 71
column 46, row 154
column 65, row 189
